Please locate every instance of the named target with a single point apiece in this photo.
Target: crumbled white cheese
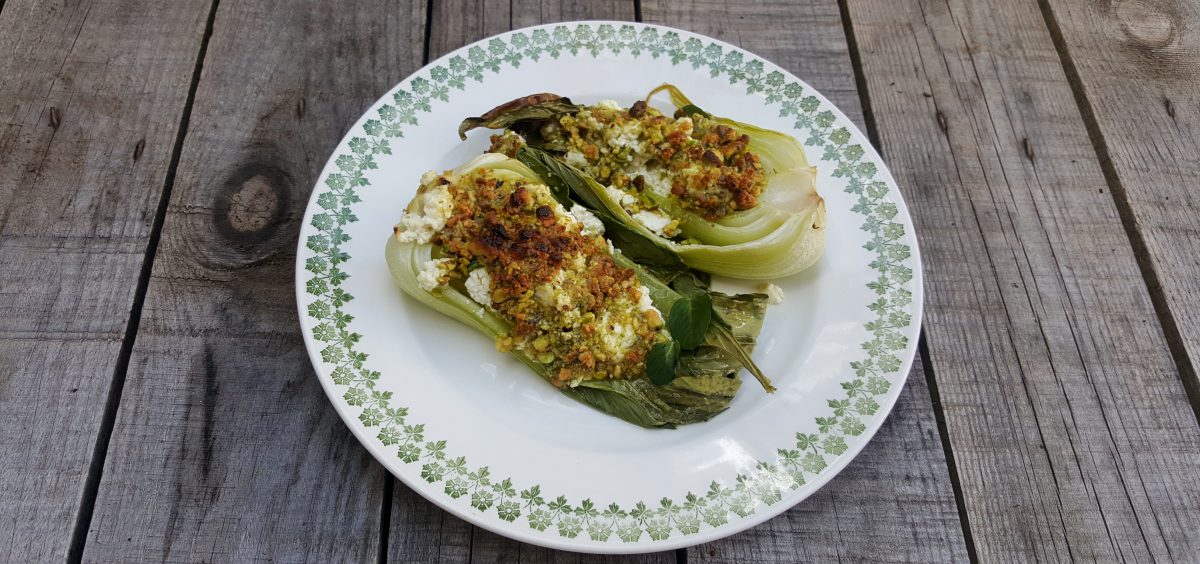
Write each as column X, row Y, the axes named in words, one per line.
column 774, row 293
column 429, row 177
column 620, row 196
column 586, row 120
column 479, row 286
column 610, row 104
column 685, row 125
column 616, row 337
column 556, row 293
column 544, row 294
column 656, row 180
column 576, row 159
column 645, row 303
column 625, row 136
column 592, row 225
column 550, row 129
column 436, row 208
column 431, row 273
column 552, row 295
column 653, row 220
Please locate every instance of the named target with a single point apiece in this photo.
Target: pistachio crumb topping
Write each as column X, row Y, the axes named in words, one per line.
column 545, row 270
column 694, row 161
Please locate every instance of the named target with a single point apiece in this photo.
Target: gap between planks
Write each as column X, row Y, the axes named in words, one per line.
column 385, row 517
column 1141, row 252
column 951, row 466
column 91, row 484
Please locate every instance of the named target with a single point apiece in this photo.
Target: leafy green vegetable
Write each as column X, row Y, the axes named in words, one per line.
column 686, row 400
column 733, row 351
column 532, row 108
column 721, row 336
column 737, row 320
column 697, row 385
column 546, row 170
column 781, row 236
column 562, row 179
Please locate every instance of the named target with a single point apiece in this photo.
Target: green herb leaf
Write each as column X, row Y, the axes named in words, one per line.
column 689, row 319
column 660, row 363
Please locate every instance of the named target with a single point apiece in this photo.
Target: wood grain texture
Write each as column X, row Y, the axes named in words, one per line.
column 489, row 547
column 805, row 37
column 895, row 502
column 455, row 23
column 1072, row 436
column 1137, row 63
column 420, row 531
column 90, row 105
column 225, row 448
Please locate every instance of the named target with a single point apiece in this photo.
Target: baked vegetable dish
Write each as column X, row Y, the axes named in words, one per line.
column 581, row 243
column 723, row 196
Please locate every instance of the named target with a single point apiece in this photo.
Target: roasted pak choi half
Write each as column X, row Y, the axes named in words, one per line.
column 718, row 195
column 491, row 245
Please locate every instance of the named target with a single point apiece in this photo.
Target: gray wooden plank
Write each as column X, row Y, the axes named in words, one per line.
column 225, row 448
column 421, row 532
column 90, row 106
column 805, row 37
column 488, row 547
column 1072, row 436
column 1137, row 64
column 535, row 12
column 895, row 502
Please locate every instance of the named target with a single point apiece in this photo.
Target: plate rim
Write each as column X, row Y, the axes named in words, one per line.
column 761, row 511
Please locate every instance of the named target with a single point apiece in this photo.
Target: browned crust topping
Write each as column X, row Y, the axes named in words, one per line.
column 524, row 244
column 711, row 168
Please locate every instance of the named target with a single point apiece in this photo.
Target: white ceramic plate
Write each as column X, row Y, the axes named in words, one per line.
column 475, row 432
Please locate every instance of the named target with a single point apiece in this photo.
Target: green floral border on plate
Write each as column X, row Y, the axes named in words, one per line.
column 808, row 456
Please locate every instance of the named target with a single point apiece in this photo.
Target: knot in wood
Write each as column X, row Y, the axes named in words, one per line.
column 1146, row 25
column 253, row 204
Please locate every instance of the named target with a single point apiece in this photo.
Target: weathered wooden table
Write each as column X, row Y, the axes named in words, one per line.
column 157, row 403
